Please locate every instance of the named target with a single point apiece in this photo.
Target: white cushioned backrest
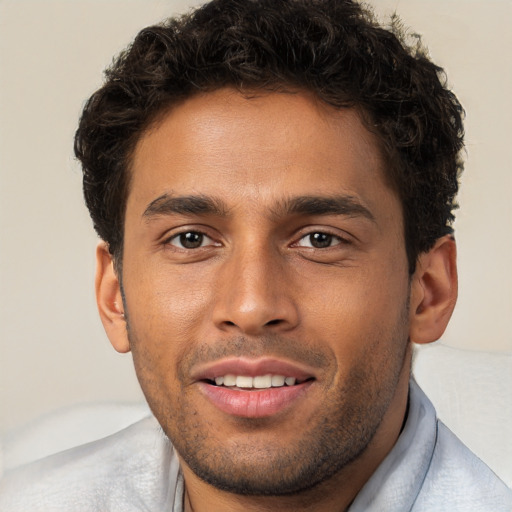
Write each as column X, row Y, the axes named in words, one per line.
column 472, row 393
column 66, row 428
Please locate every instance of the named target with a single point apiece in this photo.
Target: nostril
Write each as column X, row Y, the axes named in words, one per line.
column 274, row 322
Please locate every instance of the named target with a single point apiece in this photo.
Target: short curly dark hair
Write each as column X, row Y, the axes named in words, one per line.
column 332, row 48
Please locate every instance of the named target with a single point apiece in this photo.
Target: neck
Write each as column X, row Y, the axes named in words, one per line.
column 336, row 494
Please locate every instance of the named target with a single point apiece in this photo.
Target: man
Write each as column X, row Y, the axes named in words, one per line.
column 273, row 182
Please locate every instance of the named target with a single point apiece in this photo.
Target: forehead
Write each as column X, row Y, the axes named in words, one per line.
column 258, row 149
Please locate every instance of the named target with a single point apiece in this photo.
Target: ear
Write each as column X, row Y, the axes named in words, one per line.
column 109, row 299
column 433, row 291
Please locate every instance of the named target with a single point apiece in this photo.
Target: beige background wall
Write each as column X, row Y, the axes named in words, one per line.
column 53, row 351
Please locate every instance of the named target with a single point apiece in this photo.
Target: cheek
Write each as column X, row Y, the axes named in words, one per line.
column 359, row 311
column 165, row 311
column 166, row 304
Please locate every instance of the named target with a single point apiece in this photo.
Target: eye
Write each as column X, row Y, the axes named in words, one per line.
column 319, row 240
column 190, row 240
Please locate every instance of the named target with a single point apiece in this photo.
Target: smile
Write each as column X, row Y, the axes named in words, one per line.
column 257, row 382
column 252, row 402
column 251, row 388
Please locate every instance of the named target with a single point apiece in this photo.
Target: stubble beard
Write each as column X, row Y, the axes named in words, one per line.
column 339, row 437
column 346, row 425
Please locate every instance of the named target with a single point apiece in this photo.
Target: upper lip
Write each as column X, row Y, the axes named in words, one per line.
column 251, row 368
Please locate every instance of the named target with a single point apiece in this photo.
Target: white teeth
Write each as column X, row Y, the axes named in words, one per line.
column 278, row 380
column 229, row 380
column 262, row 382
column 243, row 382
column 258, row 382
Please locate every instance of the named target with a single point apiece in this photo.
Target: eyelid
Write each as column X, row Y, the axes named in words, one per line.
column 177, row 232
column 343, row 237
column 336, row 239
column 176, row 238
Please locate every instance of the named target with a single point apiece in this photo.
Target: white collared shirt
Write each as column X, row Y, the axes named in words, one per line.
column 430, row 470
column 136, row 469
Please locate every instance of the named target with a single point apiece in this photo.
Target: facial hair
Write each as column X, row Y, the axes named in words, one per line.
column 258, row 465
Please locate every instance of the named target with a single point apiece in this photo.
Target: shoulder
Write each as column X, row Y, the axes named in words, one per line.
column 133, row 467
column 457, row 480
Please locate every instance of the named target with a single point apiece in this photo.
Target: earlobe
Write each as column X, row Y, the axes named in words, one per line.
column 109, row 300
column 433, row 291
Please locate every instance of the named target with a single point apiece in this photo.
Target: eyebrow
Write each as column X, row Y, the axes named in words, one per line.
column 186, row 205
column 304, row 205
column 320, row 205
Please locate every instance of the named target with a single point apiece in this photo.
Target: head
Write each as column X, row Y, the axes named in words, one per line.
column 274, row 184
column 332, row 49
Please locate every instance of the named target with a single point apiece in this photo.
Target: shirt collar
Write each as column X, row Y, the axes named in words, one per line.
column 398, row 480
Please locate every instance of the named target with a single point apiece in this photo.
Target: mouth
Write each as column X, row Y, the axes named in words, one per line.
column 246, row 382
column 254, row 389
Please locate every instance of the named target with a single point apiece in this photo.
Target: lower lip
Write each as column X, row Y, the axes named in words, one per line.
column 255, row 403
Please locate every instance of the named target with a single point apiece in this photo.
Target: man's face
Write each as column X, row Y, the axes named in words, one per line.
column 262, row 243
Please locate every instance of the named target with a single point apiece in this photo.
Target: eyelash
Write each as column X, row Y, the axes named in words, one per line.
column 331, row 237
column 180, row 237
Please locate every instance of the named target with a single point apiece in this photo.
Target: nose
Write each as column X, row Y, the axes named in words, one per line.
column 254, row 295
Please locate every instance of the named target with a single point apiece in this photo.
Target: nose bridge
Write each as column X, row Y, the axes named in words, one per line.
column 254, row 295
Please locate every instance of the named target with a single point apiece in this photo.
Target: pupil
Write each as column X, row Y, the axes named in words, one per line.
column 191, row 240
column 320, row 240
